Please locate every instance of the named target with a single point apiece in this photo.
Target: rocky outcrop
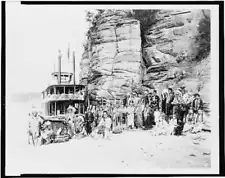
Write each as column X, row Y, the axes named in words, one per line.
column 116, row 59
column 112, row 57
column 169, row 49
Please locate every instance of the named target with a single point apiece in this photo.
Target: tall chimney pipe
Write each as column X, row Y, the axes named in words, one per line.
column 59, row 72
column 74, row 79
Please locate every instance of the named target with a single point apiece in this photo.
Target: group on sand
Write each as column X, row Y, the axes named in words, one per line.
column 135, row 111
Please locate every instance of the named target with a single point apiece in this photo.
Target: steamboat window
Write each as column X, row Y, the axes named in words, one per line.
column 51, row 91
column 59, row 90
column 69, row 90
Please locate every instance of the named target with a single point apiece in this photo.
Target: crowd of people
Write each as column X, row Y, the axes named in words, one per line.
column 135, row 111
column 144, row 111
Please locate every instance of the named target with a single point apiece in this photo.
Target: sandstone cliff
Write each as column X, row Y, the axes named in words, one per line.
column 170, row 47
column 115, row 59
column 112, row 57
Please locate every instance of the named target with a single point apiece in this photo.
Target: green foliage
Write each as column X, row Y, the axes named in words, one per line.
column 203, row 38
column 147, row 18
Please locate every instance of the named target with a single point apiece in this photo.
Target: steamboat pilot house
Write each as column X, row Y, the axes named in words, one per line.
column 63, row 92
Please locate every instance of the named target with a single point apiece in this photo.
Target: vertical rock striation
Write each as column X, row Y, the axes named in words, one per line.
column 170, row 47
column 115, row 58
column 112, row 57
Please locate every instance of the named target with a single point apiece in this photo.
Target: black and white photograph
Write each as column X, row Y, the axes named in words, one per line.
column 111, row 89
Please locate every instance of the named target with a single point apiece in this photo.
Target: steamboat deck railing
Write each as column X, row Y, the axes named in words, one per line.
column 59, row 97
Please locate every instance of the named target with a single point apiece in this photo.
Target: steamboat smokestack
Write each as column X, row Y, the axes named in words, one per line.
column 74, row 79
column 59, row 72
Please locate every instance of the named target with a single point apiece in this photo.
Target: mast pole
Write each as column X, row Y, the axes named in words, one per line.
column 68, row 54
column 59, row 74
column 74, row 69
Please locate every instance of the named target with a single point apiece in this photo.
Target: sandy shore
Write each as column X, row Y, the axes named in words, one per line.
column 130, row 152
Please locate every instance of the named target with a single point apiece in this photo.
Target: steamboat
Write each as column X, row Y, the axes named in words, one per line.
column 62, row 93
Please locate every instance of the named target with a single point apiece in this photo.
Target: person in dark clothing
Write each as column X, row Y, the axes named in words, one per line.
column 197, row 106
column 163, row 103
column 177, row 110
column 170, row 98
column 89, row 119
column 155, row 101
column 145, row 98
column 178, row 113
column 125, row 101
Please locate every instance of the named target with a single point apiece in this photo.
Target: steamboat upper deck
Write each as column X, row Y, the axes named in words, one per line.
column 63, row 92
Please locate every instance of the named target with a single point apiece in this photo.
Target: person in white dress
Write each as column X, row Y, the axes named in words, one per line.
column 104, row 125
column 130, row 111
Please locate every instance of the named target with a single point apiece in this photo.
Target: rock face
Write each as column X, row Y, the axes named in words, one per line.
column 112, row 58
column 170, row 46
column 115, row 59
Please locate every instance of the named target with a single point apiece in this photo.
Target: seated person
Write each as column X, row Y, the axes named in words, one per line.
column 104, row 126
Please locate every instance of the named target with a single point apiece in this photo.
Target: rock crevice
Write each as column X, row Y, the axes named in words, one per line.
column 115, row 52
column 115, row 57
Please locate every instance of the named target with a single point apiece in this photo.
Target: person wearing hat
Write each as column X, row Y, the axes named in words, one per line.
column 34, row 126
column 71, row 111
column 197, row 106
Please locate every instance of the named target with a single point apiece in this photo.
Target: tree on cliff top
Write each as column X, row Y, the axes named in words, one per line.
column 203, row 38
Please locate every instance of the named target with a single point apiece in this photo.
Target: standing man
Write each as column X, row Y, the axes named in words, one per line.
column 71, row 119
column 178, row 113
column 155, row 100
column 169, row 101
column 150, row 98
column 145, row 98
column 34, row 127
column 164, row 96
column 197, row 106
column 89, row 119
column 147, row 122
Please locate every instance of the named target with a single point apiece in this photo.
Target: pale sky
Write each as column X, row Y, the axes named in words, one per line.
column 34, row 34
